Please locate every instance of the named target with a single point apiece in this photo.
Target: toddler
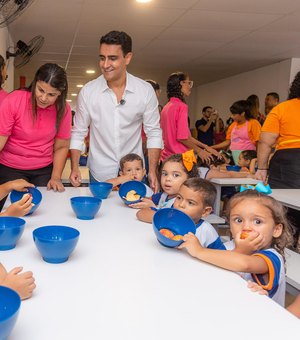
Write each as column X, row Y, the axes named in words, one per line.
column 196, row 198
column 174, row 171
column 256, row 222
column 131, row 168
column 247, row 160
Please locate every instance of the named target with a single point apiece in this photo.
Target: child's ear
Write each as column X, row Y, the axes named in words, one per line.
column 206, row 211
column 277, row 230
column 121, row 173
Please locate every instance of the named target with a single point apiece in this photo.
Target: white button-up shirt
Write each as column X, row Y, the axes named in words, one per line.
column 115, row 128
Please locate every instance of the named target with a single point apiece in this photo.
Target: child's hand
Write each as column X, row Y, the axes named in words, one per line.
column 125, row 178
column 250, row 244
column 145, row 203
column 191, row 244
column 22, row 283
column 254, row 287
column 20, row 208
column 20, row 185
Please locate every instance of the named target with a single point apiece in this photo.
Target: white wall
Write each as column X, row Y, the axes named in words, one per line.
column 5, row 42
column 223, row 93
column 295, row 68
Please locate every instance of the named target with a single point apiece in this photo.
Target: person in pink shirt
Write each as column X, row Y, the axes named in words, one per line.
column 35, row 130
column 3, row 77
column 174, row 120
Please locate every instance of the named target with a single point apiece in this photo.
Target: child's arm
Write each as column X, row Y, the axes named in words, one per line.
column 18, row 184
column 19, row 208
column 294, row 308
column 22, row 283
column 145, row 203
column 226, row 259
column 120, row 179
column 145, row 215
column 253, row 165
column 227, row 174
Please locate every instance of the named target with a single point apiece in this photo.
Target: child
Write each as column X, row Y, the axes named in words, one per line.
column 174, row 171
column 196, row 198
column 19, row 208
column 131, row 168
column 247, row 160
column 22, row 283
column 264, row 219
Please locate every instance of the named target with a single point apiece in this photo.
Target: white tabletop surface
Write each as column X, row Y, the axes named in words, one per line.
column 120, row 283
column 233, row 181
column 288, row 197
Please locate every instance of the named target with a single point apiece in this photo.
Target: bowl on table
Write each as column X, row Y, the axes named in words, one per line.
column 100, row 189
column 11, row 230
column 236, row 168
column 34, row 192
column 175, row 221
column 10, row 303
column 55, row 242
column 85, row 207
column 138, row 187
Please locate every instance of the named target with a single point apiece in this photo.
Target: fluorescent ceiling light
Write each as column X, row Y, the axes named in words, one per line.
column 90, row 71
column 79, row 85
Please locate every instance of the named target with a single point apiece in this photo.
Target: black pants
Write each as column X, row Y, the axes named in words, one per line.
column 285, row 174
column 38, row 177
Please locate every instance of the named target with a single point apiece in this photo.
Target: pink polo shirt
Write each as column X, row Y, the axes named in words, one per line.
column 3, row 94
column 30, row 143
column 174, row 124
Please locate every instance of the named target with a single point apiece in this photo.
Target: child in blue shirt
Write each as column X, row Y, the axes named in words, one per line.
column 196, row 198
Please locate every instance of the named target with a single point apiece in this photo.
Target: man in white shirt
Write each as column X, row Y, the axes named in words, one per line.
column 115, row 106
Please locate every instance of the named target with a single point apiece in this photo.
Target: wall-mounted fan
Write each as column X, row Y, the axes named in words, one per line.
column 24, row 52
column 11, row 9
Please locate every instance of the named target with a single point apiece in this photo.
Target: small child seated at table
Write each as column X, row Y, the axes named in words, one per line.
column 21, row 207
column 22, row 283
column 196, row 198
column 261, row 232
column 173, row 172
column 248, row 160
column 131, row 168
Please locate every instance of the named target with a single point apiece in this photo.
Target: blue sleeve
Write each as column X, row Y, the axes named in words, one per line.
column 217, row 244
column 274, row 266
column 156, row 197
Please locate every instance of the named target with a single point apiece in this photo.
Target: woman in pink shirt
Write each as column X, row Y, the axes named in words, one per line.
column 35, row 129
column 3, row 76
column 174, row 120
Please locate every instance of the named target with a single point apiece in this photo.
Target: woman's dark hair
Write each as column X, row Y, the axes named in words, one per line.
column 173, row 85
column 241, row 106
column 294, row 91
column 2, row 65
column 118, row 38
column 154, row 84
column 253, row 101
column 55, row 76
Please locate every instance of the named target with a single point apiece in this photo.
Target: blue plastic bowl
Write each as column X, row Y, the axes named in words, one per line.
column 236, row 168
column 11, row 230
column 10, row 303
column 137, row 186
column 100, row 189
column 176, row 221
column 55, row 242
column 85, row 207
column 36, row 197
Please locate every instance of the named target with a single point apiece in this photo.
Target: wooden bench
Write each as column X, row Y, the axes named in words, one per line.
column 292, row 272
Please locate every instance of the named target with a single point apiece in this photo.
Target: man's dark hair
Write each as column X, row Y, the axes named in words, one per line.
column 205, row 108
column 274, row 95
column 118, row 38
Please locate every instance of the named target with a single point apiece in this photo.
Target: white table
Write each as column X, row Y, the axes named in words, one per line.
column 288, row 197
column 121, row 284
column 228, row 182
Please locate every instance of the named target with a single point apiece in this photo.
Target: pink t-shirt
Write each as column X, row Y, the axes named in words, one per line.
column 174, row 124
column 3, row 94
column 30, row 143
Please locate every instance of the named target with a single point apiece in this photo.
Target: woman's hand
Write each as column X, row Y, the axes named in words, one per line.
column 56, row 185
column 205, row 156
column 261, row 175
column 214, row 152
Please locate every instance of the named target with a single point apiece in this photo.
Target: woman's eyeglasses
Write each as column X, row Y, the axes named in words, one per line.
column 190, row 82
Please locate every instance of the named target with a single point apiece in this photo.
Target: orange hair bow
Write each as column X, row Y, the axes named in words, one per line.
column 189, row 159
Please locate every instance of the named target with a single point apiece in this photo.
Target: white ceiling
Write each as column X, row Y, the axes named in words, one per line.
column 209, row 39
